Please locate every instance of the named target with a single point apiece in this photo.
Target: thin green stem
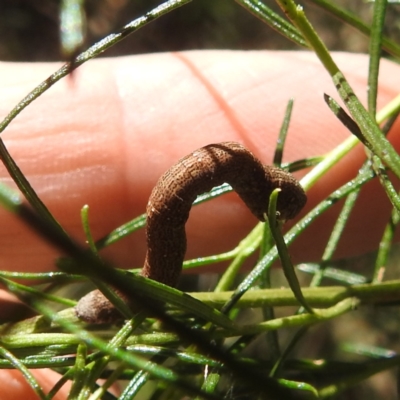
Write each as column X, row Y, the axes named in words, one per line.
column 296, row 15
column 319, row 315
column 112, row 379
column 336, row 234
column 385, row 181
column 278, row 366
column 24, row 292
column 283, row 134
column 385, row 292
column 134, row 385
column 375, row 48
column 336, row 274
column 28, row 191
column 87, row 230
column 385, row 246
column 30, row 379
column 273, row 20
column 79, row 372
column 351, row 19
column 286, row 263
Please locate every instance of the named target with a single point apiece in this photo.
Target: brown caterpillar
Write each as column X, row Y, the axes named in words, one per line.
column 172, row 198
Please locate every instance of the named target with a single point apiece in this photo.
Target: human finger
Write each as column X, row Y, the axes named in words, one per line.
column 106, row 136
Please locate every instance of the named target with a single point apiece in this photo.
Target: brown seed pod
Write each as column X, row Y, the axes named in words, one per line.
column 172, row 198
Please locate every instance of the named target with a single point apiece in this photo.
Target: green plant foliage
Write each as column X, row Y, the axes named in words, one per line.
column 197, row 345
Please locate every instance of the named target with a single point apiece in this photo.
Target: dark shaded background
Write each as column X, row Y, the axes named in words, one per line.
column 29, row 29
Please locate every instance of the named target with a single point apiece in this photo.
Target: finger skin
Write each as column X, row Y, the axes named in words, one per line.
column 104, row 137
column 14, row 386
